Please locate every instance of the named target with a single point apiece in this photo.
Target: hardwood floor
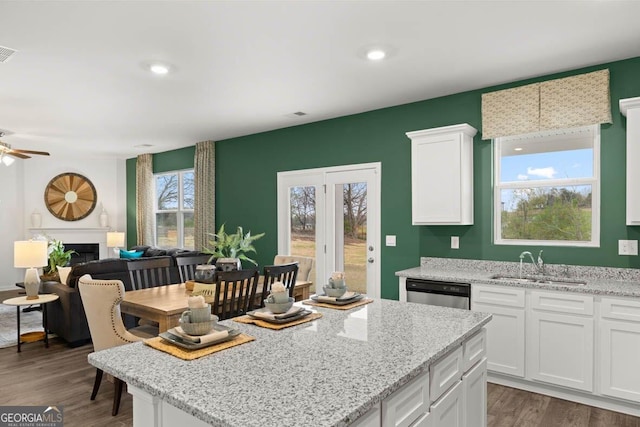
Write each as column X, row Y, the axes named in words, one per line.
column 62, row 376
column 508, row 407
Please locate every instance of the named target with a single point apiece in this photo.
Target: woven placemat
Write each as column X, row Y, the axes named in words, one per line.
column 363, row 301
column 159, row 344
column 265, row 324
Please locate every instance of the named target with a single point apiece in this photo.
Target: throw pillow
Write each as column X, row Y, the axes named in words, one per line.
column 130, row 254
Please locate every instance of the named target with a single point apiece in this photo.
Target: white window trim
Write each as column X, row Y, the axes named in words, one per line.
column 593, row 181
column 180, row 211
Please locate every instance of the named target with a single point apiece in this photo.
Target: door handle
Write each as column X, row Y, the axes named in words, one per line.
column 370, row 260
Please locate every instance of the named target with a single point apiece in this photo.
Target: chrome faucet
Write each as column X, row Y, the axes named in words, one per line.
column 539, row 265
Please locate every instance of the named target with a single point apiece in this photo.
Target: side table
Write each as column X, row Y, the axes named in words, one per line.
column 43, row 300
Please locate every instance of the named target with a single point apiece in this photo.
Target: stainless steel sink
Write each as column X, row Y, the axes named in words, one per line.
column 545, row 280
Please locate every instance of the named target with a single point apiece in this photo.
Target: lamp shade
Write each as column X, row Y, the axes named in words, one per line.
column 30, row 253
column 115, row 239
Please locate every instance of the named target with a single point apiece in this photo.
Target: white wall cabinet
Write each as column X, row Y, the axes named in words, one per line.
column 506, row 331
column 619, row 329
column 631, row 108
column 442, row 175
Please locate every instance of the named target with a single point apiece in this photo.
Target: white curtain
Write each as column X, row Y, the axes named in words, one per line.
column 145, row 218
column 205, row 198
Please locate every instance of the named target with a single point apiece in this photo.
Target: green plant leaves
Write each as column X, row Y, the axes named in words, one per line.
column 234, row 245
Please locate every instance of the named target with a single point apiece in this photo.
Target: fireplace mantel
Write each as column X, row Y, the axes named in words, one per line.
column 76, row 235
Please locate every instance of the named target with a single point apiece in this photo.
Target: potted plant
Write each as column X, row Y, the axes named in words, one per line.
column 58, row 257
column 230, row 249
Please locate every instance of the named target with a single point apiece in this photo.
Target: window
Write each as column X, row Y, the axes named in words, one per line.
column 547, row 188
column 174, row 209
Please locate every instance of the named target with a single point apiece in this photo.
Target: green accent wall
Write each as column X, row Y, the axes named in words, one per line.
column 246, row 169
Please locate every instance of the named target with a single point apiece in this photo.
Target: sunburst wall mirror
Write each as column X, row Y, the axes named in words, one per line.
column 70, row 196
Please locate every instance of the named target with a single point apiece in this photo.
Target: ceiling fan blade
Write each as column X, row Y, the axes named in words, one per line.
column 18, row 155
column 41, row 153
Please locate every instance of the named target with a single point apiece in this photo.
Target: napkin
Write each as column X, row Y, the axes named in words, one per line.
column 270, row 316
column 346, row 296
column 201, row 339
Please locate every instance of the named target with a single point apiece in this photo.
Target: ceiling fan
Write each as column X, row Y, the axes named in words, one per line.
column 6, row 151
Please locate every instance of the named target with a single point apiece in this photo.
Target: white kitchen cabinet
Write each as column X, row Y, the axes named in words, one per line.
column 407, row 404
column 370, row 419
column 442, row 175
column 448, row 410
column 561, row 343
column 631, row 108
column 506, row 330
column 474, row 395
column 619, row 329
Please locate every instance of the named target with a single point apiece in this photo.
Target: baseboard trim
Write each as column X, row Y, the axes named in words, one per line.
column 563, row 393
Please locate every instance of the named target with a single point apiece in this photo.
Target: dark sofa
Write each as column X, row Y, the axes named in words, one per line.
column 66, row 317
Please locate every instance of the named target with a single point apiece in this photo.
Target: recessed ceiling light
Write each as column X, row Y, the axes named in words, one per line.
column 517, row 149
column 159, row 69
column 376, row 54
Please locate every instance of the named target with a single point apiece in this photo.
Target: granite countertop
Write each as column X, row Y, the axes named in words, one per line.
column 598, row 280
column 323, row 373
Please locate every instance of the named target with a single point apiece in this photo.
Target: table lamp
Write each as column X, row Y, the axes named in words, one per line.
column 30, row 254
column 115, row 239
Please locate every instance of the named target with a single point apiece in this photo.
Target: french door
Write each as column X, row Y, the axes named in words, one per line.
column 333, row 215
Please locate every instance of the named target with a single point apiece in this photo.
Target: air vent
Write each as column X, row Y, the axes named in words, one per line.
column 6, row 53
column 143, row 146
column 296, row 114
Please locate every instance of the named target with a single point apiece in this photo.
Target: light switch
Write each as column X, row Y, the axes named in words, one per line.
column 627, row 247
column 455, row 242
column 391, row 240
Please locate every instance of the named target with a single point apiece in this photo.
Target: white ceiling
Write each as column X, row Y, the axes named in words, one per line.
column 241, row 67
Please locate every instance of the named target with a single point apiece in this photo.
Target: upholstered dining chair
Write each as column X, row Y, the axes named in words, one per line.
column 284, row 273
column 305, row 264
column 187, row 265
column 149, row 273
column 235, row 293
column 101, row 300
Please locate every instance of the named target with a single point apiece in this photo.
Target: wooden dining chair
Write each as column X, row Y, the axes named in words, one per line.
column 235, row 293
column 285, row 273
column 187, row 265
column 149, row 273
column 101, row 301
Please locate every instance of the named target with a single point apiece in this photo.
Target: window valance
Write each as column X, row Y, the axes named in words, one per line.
column 562, row 103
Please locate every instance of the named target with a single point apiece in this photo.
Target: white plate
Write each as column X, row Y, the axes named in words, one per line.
column 356, row 297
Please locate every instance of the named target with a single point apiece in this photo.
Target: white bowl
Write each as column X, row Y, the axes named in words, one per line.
column 334, row 292
column 278, row 308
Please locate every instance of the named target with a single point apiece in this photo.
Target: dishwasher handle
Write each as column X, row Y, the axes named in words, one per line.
column 437, row 287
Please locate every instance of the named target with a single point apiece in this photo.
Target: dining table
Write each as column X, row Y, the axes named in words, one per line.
column 165, row 304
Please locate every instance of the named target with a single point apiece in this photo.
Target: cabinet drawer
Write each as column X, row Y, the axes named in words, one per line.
column 445, row 372
column 370, row 419
column 622, row 309
column 562, row 302
column 474, row 349
column 407, row 404
column 497, row 295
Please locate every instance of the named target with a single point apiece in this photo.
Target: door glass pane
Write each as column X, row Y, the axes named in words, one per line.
column 354, row 253
column 167, row 229
column 303, row 224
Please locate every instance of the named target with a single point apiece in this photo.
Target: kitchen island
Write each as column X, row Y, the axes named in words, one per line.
column 348, row 366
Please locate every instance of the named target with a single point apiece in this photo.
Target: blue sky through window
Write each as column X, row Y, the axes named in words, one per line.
column 549, row 165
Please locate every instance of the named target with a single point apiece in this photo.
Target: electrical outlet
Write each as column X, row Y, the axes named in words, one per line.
column 627, row 247
column 390, row 240
column 455, row 242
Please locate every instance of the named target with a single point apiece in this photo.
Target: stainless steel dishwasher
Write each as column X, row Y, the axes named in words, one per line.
column 435, row 292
